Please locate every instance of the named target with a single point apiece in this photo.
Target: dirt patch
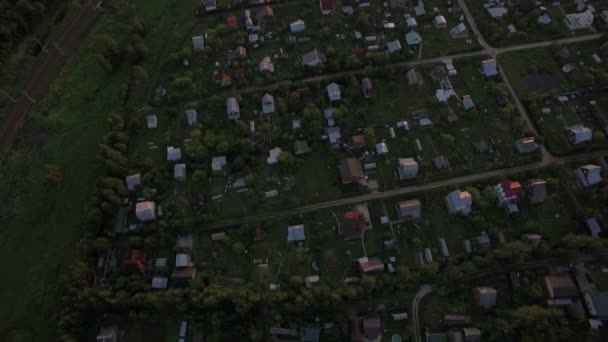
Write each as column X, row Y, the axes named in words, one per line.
column 539, row 83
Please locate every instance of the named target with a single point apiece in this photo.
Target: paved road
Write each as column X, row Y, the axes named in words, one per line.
column 43, row 77
column 531, row 265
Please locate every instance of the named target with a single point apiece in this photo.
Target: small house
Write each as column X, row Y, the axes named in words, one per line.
column 173, row 153
column 414, row 77
column 484, row 245
column 532, row 238
column 419, row 10
column 471, row 334
column 297, row 26
column 440, row 22
column 497, row 12
column 134, row 265
column 537, row 190
column 352, row 224
column 489, row 68
column 459, row 202
column 578, row 135
column 198, row 43
column 333, row 92
column 179, row 172
column 191, row 116
column 544, row 19
column 327, row 6
column 145, row 211
column 301, row 147
column 232, row 22
column 485, row 297
column 232, row 108
column 295, row 234
column 507, row 193
column 367, row 87
column 273, row 156
column 409, row 210
column 579, row 21
column 183, row 260
column 218, row 163
column 159, row 282
column 265, row 15
column 266, row 66
column 311, row 334
column 588, row 176
column 133, row 181
column 413, row 38
column 268, row 106
column 410, row 22
column 393, row 46
column 408, row 168
column 459, row 31
column 313, row 58
column 370, row 265
column 350, row 170
column 597, row 305
column 467, row 102
column 182, row 276
column 381, row 148
column 526, row 145
column 593, row 227
column 208, row 5
column 456, row 320
column 372, row 331
column 560, row 286
column 151, row 121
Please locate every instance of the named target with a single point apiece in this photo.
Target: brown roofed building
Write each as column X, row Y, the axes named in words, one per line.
column 232, row 22
column 352, row 224
column 371, row 328
column 560, row 286
column 370, row 265
column 135, row 264
column 350, row 170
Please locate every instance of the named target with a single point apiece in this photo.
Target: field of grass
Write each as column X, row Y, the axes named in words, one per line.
column 42, row 223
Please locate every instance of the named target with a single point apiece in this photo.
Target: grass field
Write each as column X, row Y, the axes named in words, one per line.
column 41, row 223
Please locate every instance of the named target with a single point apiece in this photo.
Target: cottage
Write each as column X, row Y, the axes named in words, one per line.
column 459, row 31
column 134, row 265
column 268, row 106
column 408, row 168
column 133, row 181
column 232, row 108
column 467, row 102
column 266, row 66
column 560, row 286
column 537, row 190
column 297, row 26
column 507, row 194
column 370, row 265
column 352, row 224
column 179, row 172
column 588, row 176
column 414, row 78
column 578, row 135
column 313, row 58
column 489, row 68
column 350, row 170
column 459, row 202
column 526, row 145
column 393, row 46
column 218, row 163
column 295, row 234
column 198, row 43
column 151, row 121
column 409, row 210
column 485, row 297
column 333, row 92
column 413, row 38
column 367, row 87
column 579, row 21
column 440, row 22
column 145, row 211
column 173, row 153
column 191, row 116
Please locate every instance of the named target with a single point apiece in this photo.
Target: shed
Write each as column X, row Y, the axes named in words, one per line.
column 381, row 148
column 297, row 26
column 133, row 181
column 268, row 106
column 218, row 163
column 179, row 172
column 151, row 121
column 145, row 211
column 232, row 108
column 198, row 43
column 191, row 116
column 183, row 260
column 159, row 282
column 409, row 210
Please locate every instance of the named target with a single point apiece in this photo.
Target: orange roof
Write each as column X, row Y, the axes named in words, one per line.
column 231, row 21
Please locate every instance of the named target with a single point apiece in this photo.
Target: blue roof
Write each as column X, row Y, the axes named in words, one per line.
column 413, row 38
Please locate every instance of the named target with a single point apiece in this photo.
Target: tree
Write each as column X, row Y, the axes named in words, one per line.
column 287, row 160
column 370, row 136
column 140, row 74
column 199, row 177
column 487, row 198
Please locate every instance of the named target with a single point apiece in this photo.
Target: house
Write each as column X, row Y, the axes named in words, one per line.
column 301, row 147
column 489, row 68
column 268, row 104
column 371, row 328
column 408, row 168
column 107, row 334
column 311, row 334
column 507, row 193
column 297, row 26
column 145, row 211
column 159, row 282
column 179, row 172
column 409, row 210
column 597, row 305
column 218, row 163
column 485, row 297
column 173, row 153
column 579, row 21
column 544, row 19
column 135, row 264
column 471, row 334
column 497, row 12
column 440, row 22
column 467, row 102
column 327, row 6
column 350, row 170
column 370, row 265
column 419, row 10
column 328, row 114
column 265, row 15
column 232, row 108
column 367, row 87
column 333, row 92
column 578, row 135
column 198, row 43
column 208, row 5
column 352, row 224
column 588, row 176
column 266, row 66
column 459, row 31
column 183, row 260
column 191, row 116
column 232, row 22
column 410, row 22
column 295, row 234
column 456, row 320
column 560, row 286
column 483, row 243
column 273, row 156
column 414, row 78
column 413, row 38
column 133, row 181
column 381, row 148
column 259, row 234
column 393, row 46
column 313, row 58
column 526, row 145
column 593, row 226
column 459, row 202
column 151, row 121
column 537, row 190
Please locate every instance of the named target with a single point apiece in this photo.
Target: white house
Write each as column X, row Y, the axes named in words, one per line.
column 578, row 134
column 381, row 148
column 145, row 211
column 579, row 21
column 408, row 168
column 333, row 92
column 268, row 106
column 297, row 26
column 588, row 176
column 198, row 43
column 459, row 202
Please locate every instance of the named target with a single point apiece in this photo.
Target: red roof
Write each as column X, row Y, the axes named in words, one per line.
column 358, row 53
column 135, row 264
column 232, row 21
column 511, row 189
column 352, row 225
column 327, row 5
column 259, row 234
